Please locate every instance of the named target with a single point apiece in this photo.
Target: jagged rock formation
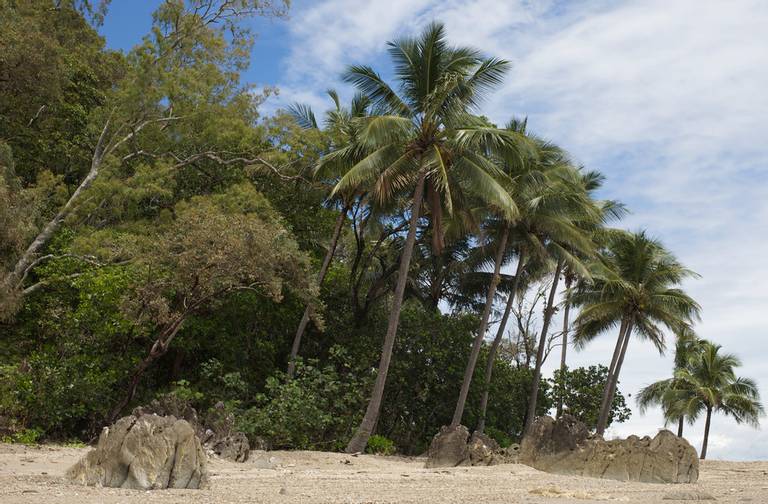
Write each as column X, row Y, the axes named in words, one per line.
column 147, row 452
column 216, row 429
column 452, row 447
column 564, row 446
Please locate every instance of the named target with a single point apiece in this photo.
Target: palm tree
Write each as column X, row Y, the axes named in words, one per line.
column 566, row 243
column 609, row 210
column 549, row 201
column 635, row 287
column 671, row 394
column 340, row 124
column 425, row 141
column 710, row 384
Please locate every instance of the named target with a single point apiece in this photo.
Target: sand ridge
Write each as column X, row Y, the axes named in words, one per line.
column 36, row 475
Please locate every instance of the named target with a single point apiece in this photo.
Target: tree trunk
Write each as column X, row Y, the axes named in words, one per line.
column 159, row 348
column 480, row 336
column 616, row 350
column 706, row 433
column 614, row 360
column 497, row 341
column 605, row 407
column 540, row 351
column 360, row 439
column 680, row 426
column 564, row 352
column 320, row 277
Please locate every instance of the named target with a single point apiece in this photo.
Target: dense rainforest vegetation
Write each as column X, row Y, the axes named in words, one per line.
column 324, row 277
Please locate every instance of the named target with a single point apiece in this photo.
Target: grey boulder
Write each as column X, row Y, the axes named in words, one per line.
column 147, row 452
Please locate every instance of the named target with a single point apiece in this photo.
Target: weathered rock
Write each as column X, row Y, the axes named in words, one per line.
column 688, row 495
column 510, row 454
column 216, row 428
column 234, row 447
column 449, row 448
column 454, row 447
column 146, row 452
column 565, row 447
column 483, row 450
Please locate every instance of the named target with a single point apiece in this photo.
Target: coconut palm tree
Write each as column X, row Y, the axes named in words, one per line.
column 426, row 144
column 340, row 124
column 549, row 201
column 635, row 286
column 671, row 394
column 711, row 386
column 565, row 243
column 608, row 211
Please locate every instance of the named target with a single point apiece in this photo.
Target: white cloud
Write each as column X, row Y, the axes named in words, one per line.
column 668, row 99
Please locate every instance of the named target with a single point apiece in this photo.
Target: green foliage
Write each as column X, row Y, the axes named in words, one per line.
column 380, row 445
column 316, row 410
column 203, row 228
column 581, row 390
column 26, row 437
column 499, row 436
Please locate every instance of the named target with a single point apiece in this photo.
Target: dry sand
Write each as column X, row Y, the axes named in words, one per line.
column 35, row 474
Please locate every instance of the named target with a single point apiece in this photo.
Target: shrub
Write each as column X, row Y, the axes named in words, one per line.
column 26, row 437
column 318, row 409
column 380, row 445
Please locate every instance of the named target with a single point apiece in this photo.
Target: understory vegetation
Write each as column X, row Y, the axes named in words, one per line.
column 353, row 279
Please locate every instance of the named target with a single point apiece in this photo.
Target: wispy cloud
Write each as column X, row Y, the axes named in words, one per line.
column 668, row 99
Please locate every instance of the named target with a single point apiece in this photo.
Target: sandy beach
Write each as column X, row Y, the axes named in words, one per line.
column 36, row 475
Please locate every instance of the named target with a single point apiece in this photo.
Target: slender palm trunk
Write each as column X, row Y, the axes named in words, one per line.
column 480, row 336
column 566, row 313
column 364, row 431
column 497, row 341
column 706, row 433
column 616, row 352
column 680, row 426
column 320, row 277
column 613, row 380
column 612, row 368
column 540, row 351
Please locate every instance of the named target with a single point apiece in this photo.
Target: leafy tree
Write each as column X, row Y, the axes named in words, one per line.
column 581, row 392
column 216, row 245
column 177, row 89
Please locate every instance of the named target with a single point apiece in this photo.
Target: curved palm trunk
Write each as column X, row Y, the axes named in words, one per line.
column 497, row 341
column 680, row 426
column 540, row 351
column 564, row 352
column 360, row 439
column 706, row 433
column 320, row 277
column 470, row 369
column 613, row 380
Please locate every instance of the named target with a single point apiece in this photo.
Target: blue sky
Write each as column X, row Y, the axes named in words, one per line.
column 667, row 99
